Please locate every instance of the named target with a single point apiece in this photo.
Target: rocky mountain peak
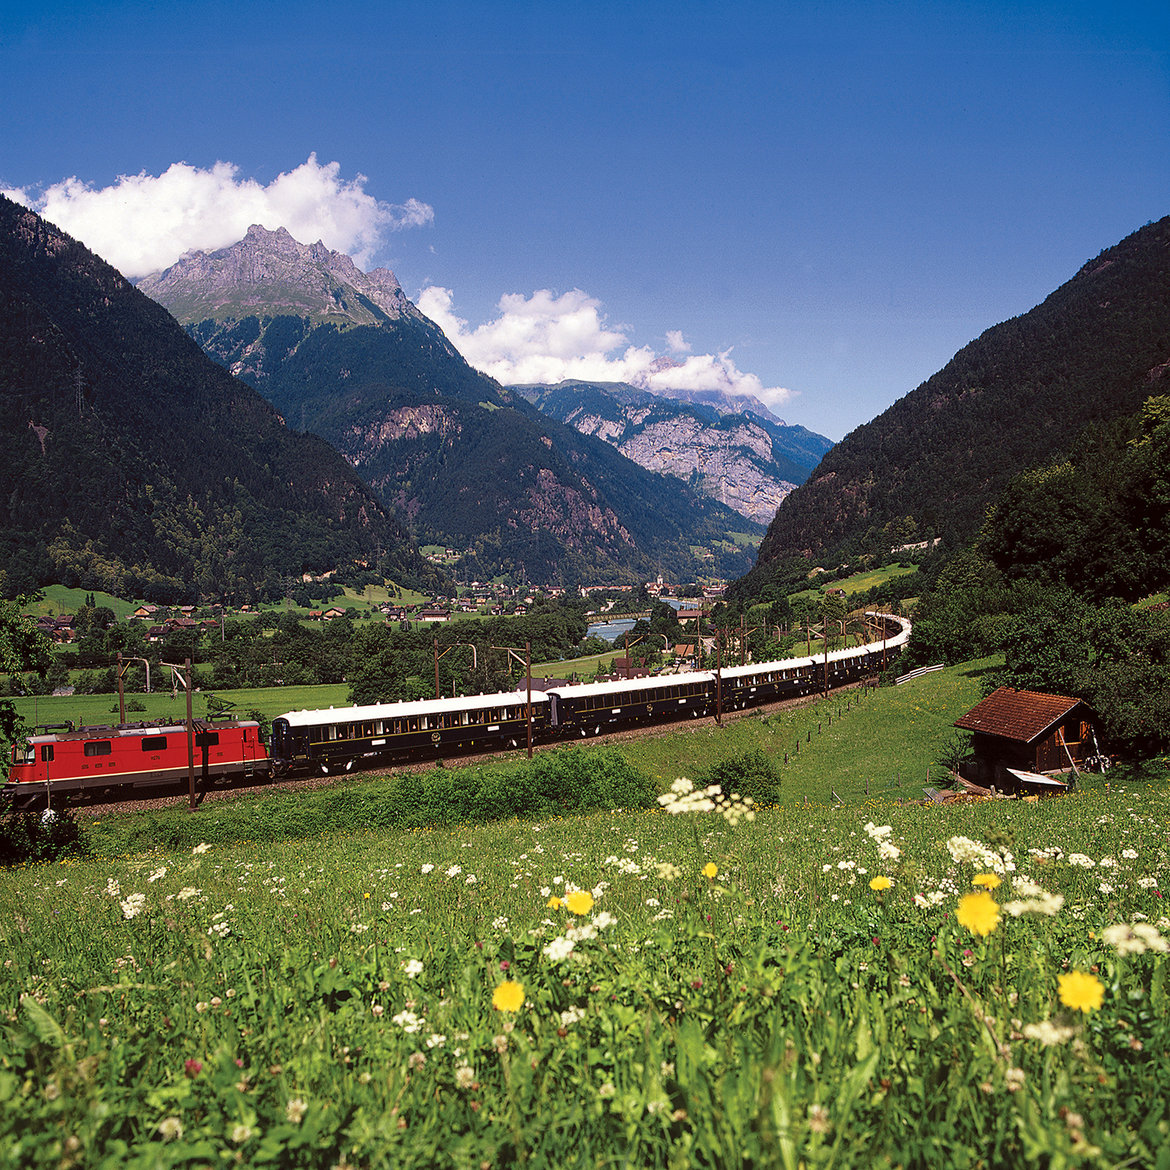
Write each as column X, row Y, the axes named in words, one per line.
column 269, row 273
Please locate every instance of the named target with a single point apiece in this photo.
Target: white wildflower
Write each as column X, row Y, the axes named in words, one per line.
column 1049, row 1033
column 560, row 948
column 408, row 1021
column 1046, row 904
column 133, row 905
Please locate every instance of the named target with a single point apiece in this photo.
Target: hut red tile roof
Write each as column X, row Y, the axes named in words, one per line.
column 1018, row 715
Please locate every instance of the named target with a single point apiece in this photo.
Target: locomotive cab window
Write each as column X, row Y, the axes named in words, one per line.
column 100, row 747
column 154, row 743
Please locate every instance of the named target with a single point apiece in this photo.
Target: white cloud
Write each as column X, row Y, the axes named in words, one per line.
column 143, row 223
column 547, row 338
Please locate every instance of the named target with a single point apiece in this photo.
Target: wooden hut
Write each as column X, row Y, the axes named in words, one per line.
column 1018, row 736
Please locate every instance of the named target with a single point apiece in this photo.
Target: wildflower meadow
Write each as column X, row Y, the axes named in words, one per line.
column 706, row 983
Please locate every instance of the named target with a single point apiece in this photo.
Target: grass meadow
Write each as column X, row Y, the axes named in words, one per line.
column 820, row 982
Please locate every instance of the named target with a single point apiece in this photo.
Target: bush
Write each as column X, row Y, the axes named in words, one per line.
column 32, row 838
column 752, row 773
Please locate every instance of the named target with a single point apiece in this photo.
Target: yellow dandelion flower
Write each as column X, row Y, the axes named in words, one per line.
column 1081, row 991
column 710, row 869
column 579, row 902
column 554, row 903
column 508, row 996
column 978, row 912
column 881, row 882
column 987, row 880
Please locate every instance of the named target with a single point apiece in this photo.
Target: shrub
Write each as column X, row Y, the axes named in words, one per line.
column 752, row 773
column 38, row 837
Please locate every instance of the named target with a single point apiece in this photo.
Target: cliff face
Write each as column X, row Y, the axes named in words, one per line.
column 729, row 464
column 745, row 461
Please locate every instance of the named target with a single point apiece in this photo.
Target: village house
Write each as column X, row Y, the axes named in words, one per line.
column 1018, row 736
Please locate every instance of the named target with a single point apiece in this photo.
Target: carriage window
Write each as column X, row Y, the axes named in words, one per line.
column 155, row 743
column 46, row 751
column 99, row 747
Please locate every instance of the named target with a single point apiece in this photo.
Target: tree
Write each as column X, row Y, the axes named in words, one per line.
column 1047, row 645
column 22, row 647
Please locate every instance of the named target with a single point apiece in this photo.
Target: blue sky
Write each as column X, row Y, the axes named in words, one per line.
column 821, row 202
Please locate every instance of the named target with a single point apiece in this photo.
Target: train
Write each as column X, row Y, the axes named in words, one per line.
column 338, row 739
column 102, row 762
column 98, row 763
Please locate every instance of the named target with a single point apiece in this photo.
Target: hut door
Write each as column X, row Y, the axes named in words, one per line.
column 1049, row 755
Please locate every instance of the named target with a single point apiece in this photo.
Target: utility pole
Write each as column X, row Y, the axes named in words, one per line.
column 718, row 676
column 514, row 652
column 635, row 642
column 468, row 645
column 183, row 673
column 121, row 691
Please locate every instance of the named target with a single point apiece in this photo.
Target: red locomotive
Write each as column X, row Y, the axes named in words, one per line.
column 99, row 761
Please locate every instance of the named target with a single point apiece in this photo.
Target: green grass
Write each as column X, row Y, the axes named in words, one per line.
column 58, row 599
column 891, row 738
column 102, row 709
column 857, row 583
column 585, row 667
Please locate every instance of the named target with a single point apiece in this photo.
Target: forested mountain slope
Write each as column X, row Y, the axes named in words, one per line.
column 134, row 464
column 1016, row 397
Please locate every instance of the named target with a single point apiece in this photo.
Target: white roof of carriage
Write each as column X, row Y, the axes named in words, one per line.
column 417, row 707
column 632, row 686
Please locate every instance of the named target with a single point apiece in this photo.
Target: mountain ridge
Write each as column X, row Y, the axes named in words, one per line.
column 1014, row 398
column 469, row 463
column 136, row 465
